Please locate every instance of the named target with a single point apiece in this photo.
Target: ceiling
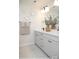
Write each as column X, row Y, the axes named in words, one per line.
column 28, row 8
column 38, row 4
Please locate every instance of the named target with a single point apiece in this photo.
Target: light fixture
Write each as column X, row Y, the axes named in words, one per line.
column 56, row 3
column 45, row 9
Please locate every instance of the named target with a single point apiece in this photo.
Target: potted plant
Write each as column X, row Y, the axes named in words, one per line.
column 48, row 24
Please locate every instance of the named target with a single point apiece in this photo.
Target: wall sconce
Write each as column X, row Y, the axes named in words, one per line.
column 45, row 9
column 56, row 3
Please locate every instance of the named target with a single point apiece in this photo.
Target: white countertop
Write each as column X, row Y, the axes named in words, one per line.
column 53, row 32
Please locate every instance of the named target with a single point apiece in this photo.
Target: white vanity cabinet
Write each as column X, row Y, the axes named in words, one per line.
column 49, row 43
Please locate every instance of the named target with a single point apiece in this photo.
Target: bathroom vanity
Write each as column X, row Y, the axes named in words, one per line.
column 48, row 42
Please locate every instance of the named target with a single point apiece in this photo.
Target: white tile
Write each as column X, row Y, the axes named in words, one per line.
column 31, row 52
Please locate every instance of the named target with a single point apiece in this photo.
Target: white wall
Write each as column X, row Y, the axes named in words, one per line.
column 32, row 11
column 26, row 10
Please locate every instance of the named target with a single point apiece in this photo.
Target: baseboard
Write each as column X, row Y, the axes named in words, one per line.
column 26, row 44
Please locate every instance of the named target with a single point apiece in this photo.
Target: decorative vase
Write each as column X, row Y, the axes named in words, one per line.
column 53, row 27
column 48, row 28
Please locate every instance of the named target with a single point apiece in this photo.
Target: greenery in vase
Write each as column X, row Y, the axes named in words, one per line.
column 48, row 22
column 51, row 22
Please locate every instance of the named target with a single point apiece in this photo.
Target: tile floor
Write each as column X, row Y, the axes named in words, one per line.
column 31, row 52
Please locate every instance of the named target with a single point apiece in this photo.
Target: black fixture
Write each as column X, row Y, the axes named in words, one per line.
column 34, row 1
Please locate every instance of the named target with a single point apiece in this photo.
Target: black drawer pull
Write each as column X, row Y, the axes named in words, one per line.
column 49, row 41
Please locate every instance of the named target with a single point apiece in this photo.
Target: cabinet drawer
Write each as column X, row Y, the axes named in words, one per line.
column 51, row 42
column 51, row 37
column 52, row 50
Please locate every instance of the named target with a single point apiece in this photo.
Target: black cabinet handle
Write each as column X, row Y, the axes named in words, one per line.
column 49, row 41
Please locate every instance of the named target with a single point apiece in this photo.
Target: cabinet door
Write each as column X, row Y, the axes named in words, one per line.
column 51, row 48
column 52, row 37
